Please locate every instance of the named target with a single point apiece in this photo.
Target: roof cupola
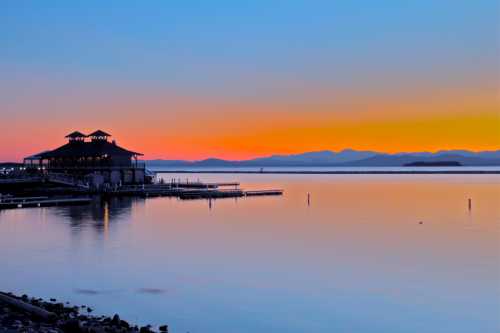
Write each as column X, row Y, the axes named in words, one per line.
column 99, row 136
column 76, row 137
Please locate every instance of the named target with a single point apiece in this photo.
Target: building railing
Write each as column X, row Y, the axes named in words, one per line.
column 133, row 167
column 140, row 166
column 67, row 180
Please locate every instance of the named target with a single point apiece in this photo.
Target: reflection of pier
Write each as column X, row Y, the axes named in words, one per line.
column 100, row 211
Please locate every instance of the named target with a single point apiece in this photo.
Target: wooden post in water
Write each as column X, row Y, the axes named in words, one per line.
column 308, row 199
column 470, row 204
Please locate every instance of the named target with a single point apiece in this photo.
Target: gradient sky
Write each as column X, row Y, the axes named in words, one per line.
column 239, row 79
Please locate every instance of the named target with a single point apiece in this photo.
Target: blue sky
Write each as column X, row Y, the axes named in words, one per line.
column 90, row 62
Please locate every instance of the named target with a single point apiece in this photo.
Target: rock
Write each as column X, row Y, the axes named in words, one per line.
column 125, row 324
column 66, row 319
column 115, row 320
column 145, row 329
column 71, row 326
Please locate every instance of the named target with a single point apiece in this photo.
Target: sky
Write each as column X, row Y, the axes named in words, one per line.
column 241, row 79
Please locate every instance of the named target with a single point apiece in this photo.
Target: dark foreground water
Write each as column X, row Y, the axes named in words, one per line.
column 356, row 260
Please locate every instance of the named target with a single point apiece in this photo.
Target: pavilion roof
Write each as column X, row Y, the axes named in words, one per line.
column 88, row 149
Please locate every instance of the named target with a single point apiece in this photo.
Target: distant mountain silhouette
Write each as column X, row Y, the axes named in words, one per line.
column 345, row 158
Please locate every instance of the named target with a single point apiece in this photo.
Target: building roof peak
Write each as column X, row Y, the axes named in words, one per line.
column 98, row 133
column 75, row 134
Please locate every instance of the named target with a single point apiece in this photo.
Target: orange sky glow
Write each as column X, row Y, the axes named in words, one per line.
column 238, row 81
column 242, row 130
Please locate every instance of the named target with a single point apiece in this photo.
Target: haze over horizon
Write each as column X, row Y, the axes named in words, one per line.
column 335, row 152
column 244, row 80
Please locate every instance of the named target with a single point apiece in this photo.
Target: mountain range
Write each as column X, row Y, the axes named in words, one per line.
column 344, row 158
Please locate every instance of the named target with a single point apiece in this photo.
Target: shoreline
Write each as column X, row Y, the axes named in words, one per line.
column 341, row 172
column 30, row 314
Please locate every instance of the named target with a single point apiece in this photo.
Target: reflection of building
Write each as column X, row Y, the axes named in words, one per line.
column 101, row 216
column 98, row 160
column 100, row 212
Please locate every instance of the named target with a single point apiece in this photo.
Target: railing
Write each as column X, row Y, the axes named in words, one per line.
column 66, row 180
column 97, row 167
column 140, row 164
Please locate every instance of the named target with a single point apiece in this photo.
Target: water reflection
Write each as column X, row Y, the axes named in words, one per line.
column 356, row 260
column 100, row 214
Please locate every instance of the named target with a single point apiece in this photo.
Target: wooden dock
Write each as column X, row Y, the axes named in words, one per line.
column 25, row 202
column 198, row 191
column 263, row 192
column 198, row 184
column 183, row 191
column 210, row 194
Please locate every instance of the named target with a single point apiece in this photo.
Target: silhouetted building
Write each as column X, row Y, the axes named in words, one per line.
column 97, row 160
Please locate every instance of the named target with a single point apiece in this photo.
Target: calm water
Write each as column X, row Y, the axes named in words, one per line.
column 355, row 260
column 327, row 169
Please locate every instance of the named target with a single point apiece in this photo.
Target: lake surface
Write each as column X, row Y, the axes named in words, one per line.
column 356, row 259
column 490, row 169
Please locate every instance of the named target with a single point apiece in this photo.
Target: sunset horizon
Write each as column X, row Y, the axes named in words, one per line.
column 330, row 76
column 285, row 166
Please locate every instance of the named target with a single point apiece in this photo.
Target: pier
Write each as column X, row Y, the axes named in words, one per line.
column 25, row 202
column 79, row 195
column 93, row 166
column 263, row 192
column 201, row 191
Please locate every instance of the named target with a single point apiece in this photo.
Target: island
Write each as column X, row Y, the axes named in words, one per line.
column 433, row 164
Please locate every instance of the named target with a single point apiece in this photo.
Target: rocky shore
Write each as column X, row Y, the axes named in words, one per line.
column 26, row 314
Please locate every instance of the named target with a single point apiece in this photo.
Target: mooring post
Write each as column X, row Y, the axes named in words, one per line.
column 470, row 204
column 308, row 199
